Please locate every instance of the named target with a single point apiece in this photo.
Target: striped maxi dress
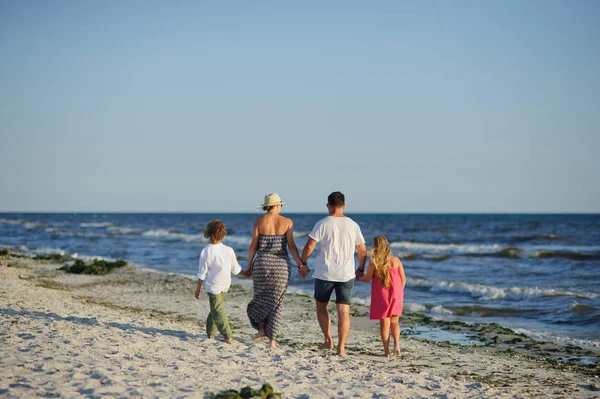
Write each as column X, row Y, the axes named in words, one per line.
column 271, row 274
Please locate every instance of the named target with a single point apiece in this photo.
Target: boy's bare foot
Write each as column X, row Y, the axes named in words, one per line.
column 227, row 340
column 261, row 334
column 273, row 344
column 326, row 345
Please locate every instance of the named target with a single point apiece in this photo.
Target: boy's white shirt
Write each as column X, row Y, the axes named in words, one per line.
column 217, row 264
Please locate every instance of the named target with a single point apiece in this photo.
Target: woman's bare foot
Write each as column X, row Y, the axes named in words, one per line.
column 328, row 344
column 341, row 353
column 227, row 340
column 386, row 354
column 261, row 334
column 396, row 351
column 273, row 344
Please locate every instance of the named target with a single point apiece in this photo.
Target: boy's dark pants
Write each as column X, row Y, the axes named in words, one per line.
column 217, row 318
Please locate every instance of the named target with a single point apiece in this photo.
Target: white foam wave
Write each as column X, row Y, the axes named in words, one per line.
column 420, row 247
column 159, row 233
column 96, row 225
column 10, row 221
column 439, row 309
column 237, row 240
column 124, row 230
column 414, row 307
column 492, row 293
column 559, row 339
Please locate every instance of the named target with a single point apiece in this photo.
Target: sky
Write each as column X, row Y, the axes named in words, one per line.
column 405, row 106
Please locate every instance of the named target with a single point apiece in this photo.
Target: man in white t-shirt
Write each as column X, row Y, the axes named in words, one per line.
column 338, row 236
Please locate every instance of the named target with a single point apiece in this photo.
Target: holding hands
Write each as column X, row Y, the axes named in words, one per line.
column 303, row 270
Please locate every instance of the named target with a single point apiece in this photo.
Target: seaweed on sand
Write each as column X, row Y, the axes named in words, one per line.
column 265, row 392
column 97, row 267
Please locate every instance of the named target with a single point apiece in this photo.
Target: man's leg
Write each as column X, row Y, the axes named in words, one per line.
column 343, row 296
column 325, row 324
column 323, row 290
column 343, row 311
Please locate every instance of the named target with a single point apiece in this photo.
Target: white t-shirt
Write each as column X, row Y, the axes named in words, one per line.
column 338, row 238
column 217, row 264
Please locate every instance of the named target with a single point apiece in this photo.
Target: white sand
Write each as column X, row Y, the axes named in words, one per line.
column 135, row 333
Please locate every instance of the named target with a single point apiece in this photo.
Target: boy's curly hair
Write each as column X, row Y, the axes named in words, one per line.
column 215, row 231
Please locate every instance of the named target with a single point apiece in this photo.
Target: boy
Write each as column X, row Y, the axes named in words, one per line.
column 217, row 263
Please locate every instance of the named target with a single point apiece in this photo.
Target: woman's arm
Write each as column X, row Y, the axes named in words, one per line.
column 292, row 244
column 369, row 275
column 253, row 248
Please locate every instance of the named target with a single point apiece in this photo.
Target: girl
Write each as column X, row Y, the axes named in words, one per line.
column 217, row 264
column 387, row 291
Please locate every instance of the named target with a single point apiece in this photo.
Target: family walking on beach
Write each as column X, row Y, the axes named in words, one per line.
column 338, row 237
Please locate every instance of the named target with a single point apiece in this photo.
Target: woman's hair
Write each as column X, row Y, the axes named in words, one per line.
column 267, row 208
column 215, row 231
column 380, row 256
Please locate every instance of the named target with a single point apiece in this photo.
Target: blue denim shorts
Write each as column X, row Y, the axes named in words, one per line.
column 343, row 291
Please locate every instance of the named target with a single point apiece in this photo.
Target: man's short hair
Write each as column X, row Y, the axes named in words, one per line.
column 336, row 199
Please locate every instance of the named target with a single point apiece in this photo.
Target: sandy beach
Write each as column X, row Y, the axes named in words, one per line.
column 141, row 333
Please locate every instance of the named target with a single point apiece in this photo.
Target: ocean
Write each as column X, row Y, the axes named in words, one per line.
column 536, row 274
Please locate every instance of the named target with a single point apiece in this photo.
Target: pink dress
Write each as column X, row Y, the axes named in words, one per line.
column 387, row 302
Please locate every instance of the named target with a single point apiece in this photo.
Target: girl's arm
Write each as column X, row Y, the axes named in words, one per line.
column 402, row 273
column 252, row 249
column 369, row 275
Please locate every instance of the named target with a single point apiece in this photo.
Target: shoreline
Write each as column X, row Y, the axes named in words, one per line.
column 88, row 335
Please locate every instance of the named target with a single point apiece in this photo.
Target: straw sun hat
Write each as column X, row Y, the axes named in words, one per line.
column 272, row 200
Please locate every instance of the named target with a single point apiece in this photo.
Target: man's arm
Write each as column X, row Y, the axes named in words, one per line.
column 306, row 252
column 308, row 249
column 362, row 256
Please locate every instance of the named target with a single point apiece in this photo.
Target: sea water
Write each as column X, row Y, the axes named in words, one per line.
column 538, row 274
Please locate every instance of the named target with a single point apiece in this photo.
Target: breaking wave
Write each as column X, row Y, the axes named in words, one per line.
column 492, row 293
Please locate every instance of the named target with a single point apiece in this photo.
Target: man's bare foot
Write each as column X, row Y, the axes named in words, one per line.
column 273, row 344
column 211, row 338
column 227, row 340
column 326, row 345
column 261, row 334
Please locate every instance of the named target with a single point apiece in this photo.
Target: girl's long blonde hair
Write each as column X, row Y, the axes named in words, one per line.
column 381, row 257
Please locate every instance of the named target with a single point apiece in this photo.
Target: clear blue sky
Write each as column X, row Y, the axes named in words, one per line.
column 424, row 106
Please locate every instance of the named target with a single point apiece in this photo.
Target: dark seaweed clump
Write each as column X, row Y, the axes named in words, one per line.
column 265, row 392
column 3, row 252
column 97, row 267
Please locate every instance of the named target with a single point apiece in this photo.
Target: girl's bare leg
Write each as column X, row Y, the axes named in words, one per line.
column 384, row 325
column 395, row 334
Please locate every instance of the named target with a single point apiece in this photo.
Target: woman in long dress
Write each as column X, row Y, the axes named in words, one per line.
column 269, row 266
